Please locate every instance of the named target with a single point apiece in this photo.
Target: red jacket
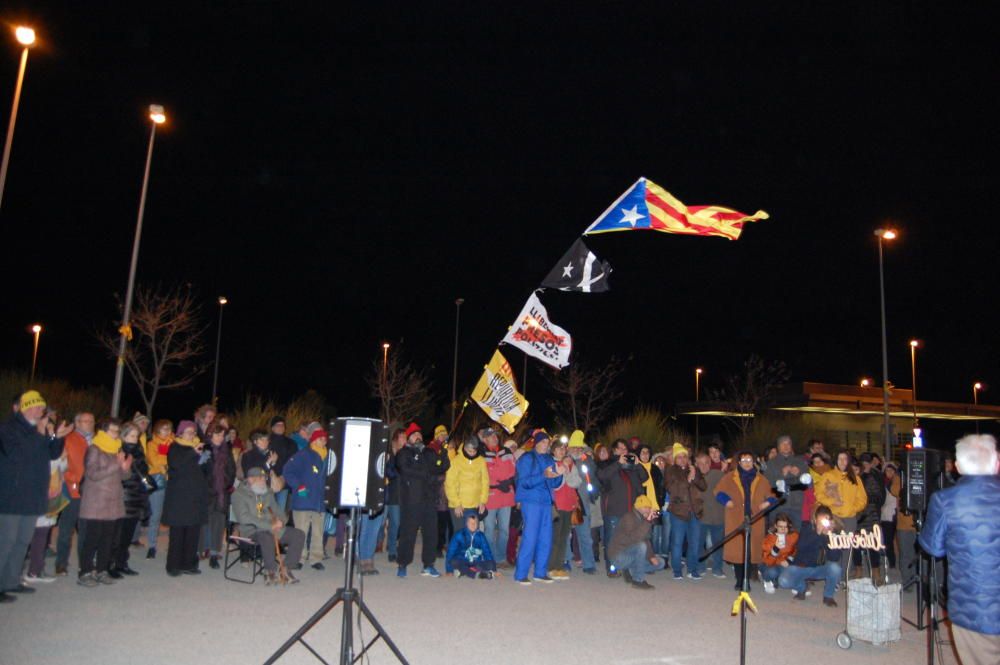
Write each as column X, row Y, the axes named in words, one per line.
column 566, row 498
column 501, row 467
column 76, row 450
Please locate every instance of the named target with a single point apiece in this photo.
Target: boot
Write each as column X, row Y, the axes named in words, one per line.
column 367, row 566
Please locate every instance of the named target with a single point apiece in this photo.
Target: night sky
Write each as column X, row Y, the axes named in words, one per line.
column 343, row 175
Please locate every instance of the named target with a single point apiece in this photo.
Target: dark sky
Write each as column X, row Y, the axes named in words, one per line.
column 343, row 175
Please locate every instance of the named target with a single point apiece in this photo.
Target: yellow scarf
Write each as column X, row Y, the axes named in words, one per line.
column 190, row 443
column 106, row 444
column 320, row 448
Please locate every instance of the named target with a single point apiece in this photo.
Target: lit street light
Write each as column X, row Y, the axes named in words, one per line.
column 218, row 347
column 976, row 388
column 697, row 398
column 865, row 383
column 26, row 37
column 37, row 331
column 454, row 366
column 913, row 378
column 157, row 116
column 883, row 235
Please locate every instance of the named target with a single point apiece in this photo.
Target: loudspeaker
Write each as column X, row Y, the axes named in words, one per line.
column 358, row 450
column 923, row 477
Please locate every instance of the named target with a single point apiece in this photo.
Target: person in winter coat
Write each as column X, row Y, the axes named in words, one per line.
column 102, row 502
column 419, row 468
column 631, row 550
column 221, row 474
column 889, row 511
column 439, row 446
column 467, row 484
column 871, row 514
column 501, row 466
column 962, row 525
column 661, row 526
column 305, row 476
column 784, row 472
column 25, row 454
column 156, row 458
column 684, row 485
column 77, row 443
column 136, row 492
column 392, row 496
column 537, row 476
column 259, row 518
column 744, row 492
column 814, row 559
column 622, row 480
column 469, row 553
column 713, row 515
column 185, row 509
column 44, row 523
column 778, row 550
column 842, row 492
column 284, row 447
column 566, row 501
column 589, row 495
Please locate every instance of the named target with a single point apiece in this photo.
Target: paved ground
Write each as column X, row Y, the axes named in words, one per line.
column 153, row 619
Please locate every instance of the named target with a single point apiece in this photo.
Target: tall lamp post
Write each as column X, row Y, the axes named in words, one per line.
column 385, row 381
column 454, row 365
column 697, row 398
column 26, row 36
column 976, row 387
column 157, row 117
column 223, row 301
column 883, row 235
column 913, row 378
column 36, row 331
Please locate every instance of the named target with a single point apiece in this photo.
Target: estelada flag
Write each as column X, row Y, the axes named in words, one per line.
column 497, row 393
column 647, row 206
column 534, row 334
column 579, row 270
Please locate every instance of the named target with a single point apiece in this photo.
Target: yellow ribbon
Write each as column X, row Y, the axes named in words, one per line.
column 743, row 597
column 127, row 331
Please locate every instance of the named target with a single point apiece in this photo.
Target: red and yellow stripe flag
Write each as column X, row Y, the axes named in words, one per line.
column 645, row 206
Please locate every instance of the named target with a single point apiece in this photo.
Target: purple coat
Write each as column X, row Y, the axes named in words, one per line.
column 102, row 496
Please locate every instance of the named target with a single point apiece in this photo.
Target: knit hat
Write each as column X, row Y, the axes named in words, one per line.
column 31, row 399
column 411, row 429
column 635, row 439
column 312, row 427
column 277, row 419
column 255, row 472
column 643, row 501
column 541, row 435
column 679, row 449
column 576, row 439
column 140, row 417
column 185, row 424
column 440, row 429
column 317, row 434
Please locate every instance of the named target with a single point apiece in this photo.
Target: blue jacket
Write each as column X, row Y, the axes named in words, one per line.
column 532, row 485
column 472, row 547
column 305, row 476
column 962, row 524
column 24, row 467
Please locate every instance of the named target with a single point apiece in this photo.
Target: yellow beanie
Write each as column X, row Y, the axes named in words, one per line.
column 679, row 449
column 643, row 501
column 576, row 439
column 440, row 429
column 31, row 399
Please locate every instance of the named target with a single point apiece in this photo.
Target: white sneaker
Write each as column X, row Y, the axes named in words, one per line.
column 39, row 579
column 768, row 586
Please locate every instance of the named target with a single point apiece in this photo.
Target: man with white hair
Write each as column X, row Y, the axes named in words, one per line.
column 962, row 524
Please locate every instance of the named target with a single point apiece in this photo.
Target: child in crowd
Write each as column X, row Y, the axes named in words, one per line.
column 469, row 552
column 778, row 551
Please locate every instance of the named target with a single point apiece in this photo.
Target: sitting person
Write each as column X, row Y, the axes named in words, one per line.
column 779, row 551
column 814, row 559
column 469, row 553
column 630, row 548
column 259, row 517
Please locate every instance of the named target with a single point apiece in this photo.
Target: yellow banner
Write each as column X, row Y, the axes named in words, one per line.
column 497, row 393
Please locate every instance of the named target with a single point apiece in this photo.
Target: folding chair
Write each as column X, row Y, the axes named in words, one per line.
column 239, row 551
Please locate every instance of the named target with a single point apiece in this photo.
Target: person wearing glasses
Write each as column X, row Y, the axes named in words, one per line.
column 744, row 492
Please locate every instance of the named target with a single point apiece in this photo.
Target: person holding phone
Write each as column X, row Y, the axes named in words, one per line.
column 814, row 559
column 185, row 508
column 537, row 477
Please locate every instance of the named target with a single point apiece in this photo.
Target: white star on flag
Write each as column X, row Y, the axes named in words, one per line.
column 631, row 216
column 568, row 270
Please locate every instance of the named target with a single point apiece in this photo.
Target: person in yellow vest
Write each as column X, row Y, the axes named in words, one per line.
column 467, row 483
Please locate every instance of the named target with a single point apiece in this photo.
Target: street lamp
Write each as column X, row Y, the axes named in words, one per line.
column 37, row 331
column 223, row 300
column 976, row 388
column 913, row 377
column 26, row 37
column 865, row 383
column 157, row 116
column 697, row 398
column 454, row 366
column 883, row 235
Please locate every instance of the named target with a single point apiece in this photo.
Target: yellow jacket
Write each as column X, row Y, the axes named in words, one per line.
column 840, row 495
column 467, row 483
column 156, row 454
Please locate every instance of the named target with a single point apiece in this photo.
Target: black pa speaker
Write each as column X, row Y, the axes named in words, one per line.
column 358, row 450
column 923, row 477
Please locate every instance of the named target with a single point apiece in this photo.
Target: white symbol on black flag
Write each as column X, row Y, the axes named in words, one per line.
column 579, row 270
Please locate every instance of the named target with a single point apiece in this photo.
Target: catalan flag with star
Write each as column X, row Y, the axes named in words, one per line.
column 646, row 206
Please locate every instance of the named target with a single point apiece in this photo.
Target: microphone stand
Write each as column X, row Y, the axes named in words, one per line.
column 744, row 597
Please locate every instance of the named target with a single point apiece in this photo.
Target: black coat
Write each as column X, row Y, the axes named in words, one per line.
column 620, row 485
column 253, row 457
column 228, row 472
column 875, row 489
column 24, row 467
column 285, row 448
column 137, row 485
column 186, row 503
column 418, row 471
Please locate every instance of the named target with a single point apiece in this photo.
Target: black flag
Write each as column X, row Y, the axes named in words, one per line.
column 579, row 270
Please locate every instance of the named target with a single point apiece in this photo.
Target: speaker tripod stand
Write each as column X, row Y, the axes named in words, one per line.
column 350, row 597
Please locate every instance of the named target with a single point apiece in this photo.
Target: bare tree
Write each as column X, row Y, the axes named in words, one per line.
column 747, row 393
column 167, row 339
column 587, row 394
column 403, row 391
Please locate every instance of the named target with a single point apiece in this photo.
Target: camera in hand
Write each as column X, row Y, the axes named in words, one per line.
column 630, row 458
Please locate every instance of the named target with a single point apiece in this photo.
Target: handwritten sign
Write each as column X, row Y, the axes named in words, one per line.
column 861, row 540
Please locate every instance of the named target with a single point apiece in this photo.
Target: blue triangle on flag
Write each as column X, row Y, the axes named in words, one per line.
column 628, row 213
